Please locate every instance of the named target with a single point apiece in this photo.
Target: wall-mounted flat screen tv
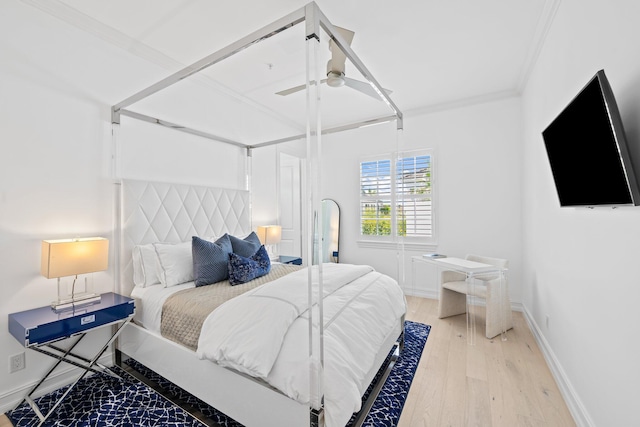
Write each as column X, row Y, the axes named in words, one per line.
column 587, row 150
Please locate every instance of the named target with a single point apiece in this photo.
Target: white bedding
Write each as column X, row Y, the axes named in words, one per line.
column 278, row 353
column 149, row 302
column 264, row 333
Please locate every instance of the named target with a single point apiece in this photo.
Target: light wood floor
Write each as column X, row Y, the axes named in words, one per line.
column 494, row 383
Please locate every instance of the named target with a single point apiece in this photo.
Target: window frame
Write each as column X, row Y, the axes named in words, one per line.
column 392, row 240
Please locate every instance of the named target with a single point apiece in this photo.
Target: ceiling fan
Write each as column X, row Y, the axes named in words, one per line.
column 335, row 71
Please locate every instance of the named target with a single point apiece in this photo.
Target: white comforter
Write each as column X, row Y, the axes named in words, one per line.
column 264, row 333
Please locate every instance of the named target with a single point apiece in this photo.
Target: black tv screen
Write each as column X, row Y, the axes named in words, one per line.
column 587, row 150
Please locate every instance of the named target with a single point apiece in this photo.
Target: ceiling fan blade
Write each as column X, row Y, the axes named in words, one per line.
column 296, row 89
column 291, row 90
column 364, row 88
column 338, row 58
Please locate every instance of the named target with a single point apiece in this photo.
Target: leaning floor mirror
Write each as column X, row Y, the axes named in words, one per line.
column 330, row 230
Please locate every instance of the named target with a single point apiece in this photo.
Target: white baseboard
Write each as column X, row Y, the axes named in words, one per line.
column 431, row 294
column 517, row 306
column 571, row 398
column 10, row 399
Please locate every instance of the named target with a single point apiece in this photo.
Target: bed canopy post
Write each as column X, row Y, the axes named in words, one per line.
column 248, row 169
column 117, row 201
column 313, row 211
column 312, row 21
column 400, row 254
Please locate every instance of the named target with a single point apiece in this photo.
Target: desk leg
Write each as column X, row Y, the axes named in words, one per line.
column 413, row 276
column 503, row 299
column 471, row 310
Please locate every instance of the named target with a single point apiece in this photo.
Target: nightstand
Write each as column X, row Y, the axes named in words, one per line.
column 41, row 328
column 285, row 259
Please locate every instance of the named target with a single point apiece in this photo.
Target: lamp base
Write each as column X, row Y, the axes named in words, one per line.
column 76, row 301
column 273, row 256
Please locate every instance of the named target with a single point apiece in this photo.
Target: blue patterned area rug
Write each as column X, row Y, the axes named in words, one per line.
column 387, row 407
column 102, row 400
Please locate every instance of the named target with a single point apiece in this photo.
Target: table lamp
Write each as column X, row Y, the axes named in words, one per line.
column 71, row 257
column 269, row 235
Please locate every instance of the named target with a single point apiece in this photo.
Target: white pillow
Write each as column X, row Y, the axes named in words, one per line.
column 145, row 266
column 176, row 263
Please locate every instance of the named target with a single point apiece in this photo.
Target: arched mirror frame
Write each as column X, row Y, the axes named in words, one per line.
column 331, row 231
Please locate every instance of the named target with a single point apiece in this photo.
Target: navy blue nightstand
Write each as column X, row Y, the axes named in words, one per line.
column 39, row 329
column 285, row 259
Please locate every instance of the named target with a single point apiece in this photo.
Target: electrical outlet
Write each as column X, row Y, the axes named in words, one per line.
column 17, row 362
column 546, row 321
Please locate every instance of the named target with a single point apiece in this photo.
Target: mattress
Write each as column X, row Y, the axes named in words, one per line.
column 149, row 302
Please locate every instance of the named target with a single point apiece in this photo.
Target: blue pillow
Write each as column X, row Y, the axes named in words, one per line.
column 210, row 260
column 245, row 247
column 242, row 269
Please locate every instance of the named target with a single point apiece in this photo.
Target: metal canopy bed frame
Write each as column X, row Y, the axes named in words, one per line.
column 314, row 19
column 220, row 387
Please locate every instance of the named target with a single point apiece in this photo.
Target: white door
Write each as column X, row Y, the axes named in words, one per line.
column 290, row 206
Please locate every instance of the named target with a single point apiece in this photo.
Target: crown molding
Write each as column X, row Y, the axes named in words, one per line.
column 73, row 17
column 461, row 103
column 540, row 37
column 543, row 27
column 108, row 34
column 84, row 22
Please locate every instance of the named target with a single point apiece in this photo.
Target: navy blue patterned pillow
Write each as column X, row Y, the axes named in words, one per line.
column 210, row 260
column 245, row 247
column 242, row 269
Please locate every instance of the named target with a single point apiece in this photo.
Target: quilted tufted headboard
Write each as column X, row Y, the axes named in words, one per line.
column 161, row 212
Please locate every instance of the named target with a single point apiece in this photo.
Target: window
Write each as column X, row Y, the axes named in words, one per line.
column 413, row 196
column 375, row 197
column 396, row 197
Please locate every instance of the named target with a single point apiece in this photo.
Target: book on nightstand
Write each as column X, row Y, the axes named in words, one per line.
column 434, row 255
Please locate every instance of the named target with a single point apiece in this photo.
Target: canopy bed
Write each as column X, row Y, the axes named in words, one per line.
column 295, row 346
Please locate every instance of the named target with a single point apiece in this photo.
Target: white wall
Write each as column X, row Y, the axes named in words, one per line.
column 264, row 187
column 57, row 84
column 477, row 179
column 493, row 181
column 580, row 264
column 151, row 152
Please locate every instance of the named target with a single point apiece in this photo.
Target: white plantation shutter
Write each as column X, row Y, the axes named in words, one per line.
column 375, row 178
column 375, row 197
column 405, row 185
column 413, row 196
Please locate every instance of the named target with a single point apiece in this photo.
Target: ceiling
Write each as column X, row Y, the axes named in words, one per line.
column 431, row 54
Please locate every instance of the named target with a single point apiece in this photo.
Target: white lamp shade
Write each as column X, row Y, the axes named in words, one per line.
column 69, row 257
column 269, row 234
